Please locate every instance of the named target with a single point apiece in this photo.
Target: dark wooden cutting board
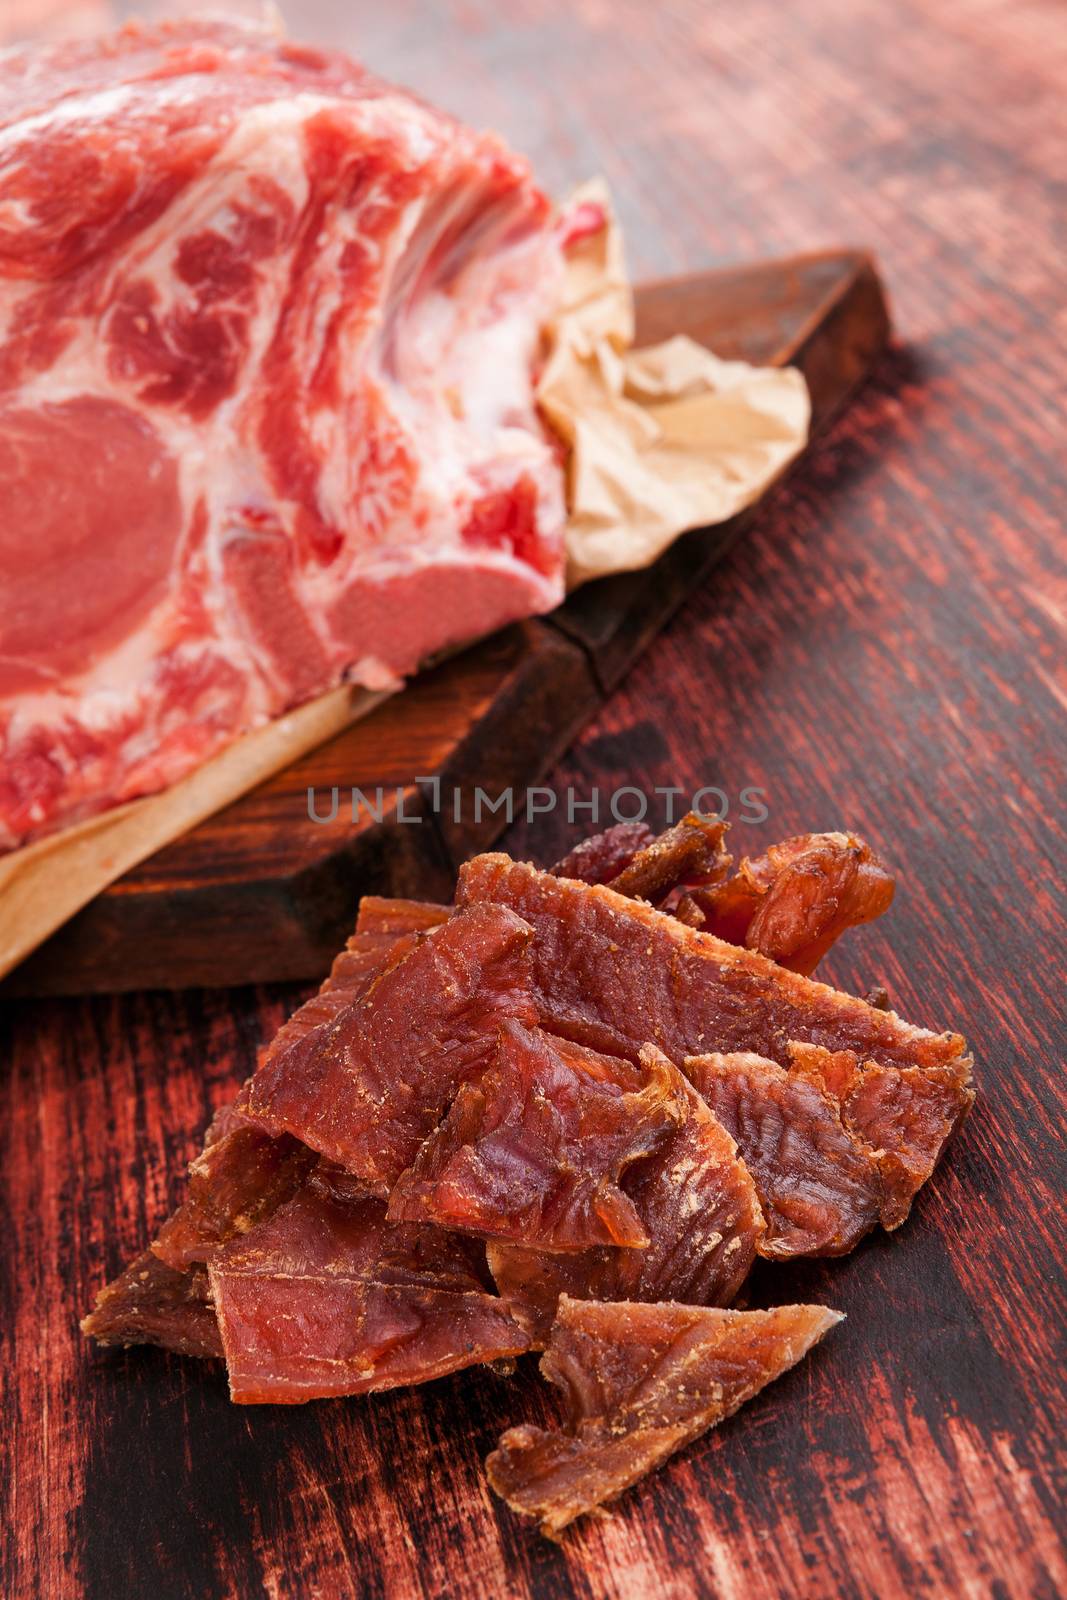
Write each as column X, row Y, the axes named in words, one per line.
column 261, row 892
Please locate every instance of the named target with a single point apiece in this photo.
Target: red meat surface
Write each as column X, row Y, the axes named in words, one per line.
column 537, row 1148
column 269, row 331
column 366, row 1090
column 328, row 1298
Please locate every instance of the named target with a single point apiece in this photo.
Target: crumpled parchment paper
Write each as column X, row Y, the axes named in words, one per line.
column 661, row 439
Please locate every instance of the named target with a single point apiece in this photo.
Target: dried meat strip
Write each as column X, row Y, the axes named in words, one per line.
column 237, row 1181
column 534, row 1150
column 603, row 856
column 244, row 1172
column 640, row 1382
column 241, row 1176
column 328, row 1298
column 820, row 1188
column 151, row 1303
column 380, row 915
column 698, row 1203
column 795, row 901
column 368, row 1091
column 905, row 1116
column 691, row 853
column 614, row 973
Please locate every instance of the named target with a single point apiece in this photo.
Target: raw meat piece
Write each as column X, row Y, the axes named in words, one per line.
column 268, row 338
column 367, row 1090
column 151, row 1303
column 382, row 916
column 692, row 852
column 819, row 1186
column 905, row 1116
column 603, row 856
column 697, row 1201
column 614, row 973
column 327, row 1298
column 535, row 1149
column 639, row 1382
column 794, row 902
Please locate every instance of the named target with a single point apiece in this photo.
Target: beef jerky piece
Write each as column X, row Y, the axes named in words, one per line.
column 243, row 1172
column 364, row 958
column 697, row 1201
column 236, row 1181
column 379, row 915
column 690, row 853
column 535, row 1149
column 640, row 1382
column 603, row 856
column 150, row 1303
column 327, row 1298
column 904, row 1115
column 794, row 902
column 686, row 909
column 368, row 1090
column 614, row 973
column 819, row 1186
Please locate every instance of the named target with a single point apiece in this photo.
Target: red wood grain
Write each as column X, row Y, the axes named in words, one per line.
column 887, row 651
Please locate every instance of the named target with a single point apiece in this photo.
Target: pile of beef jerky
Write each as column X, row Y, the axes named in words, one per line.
column 565, row 1114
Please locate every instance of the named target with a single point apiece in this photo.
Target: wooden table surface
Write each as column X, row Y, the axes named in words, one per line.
column 885, row 652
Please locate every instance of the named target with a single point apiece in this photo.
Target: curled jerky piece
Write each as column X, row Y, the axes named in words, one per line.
column 328, row 1298
column 820, row 1188
column 151, row 1303
column 368, row 1090
column 697, row 1202
column 535, row 1149
column 639, row 1382
column 692, row 852
column 904, row 1115
column 794, row 902
column 603, row 856
column 614, row 973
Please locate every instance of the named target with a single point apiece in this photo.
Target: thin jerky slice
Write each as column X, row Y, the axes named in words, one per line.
column 614, row 973
column 369, row 1090
column 690, row 853
column 639, row 1382
column 820, row 1188
column 379, row 914
column 151, row 1303
column 328, row 1298
column 698, row 1203
column 795, row 901
column 535, row 1149
column 354, row 969
column 237, row 1180
column 904, row 1115
column 603, row 856
column 242, row 1174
